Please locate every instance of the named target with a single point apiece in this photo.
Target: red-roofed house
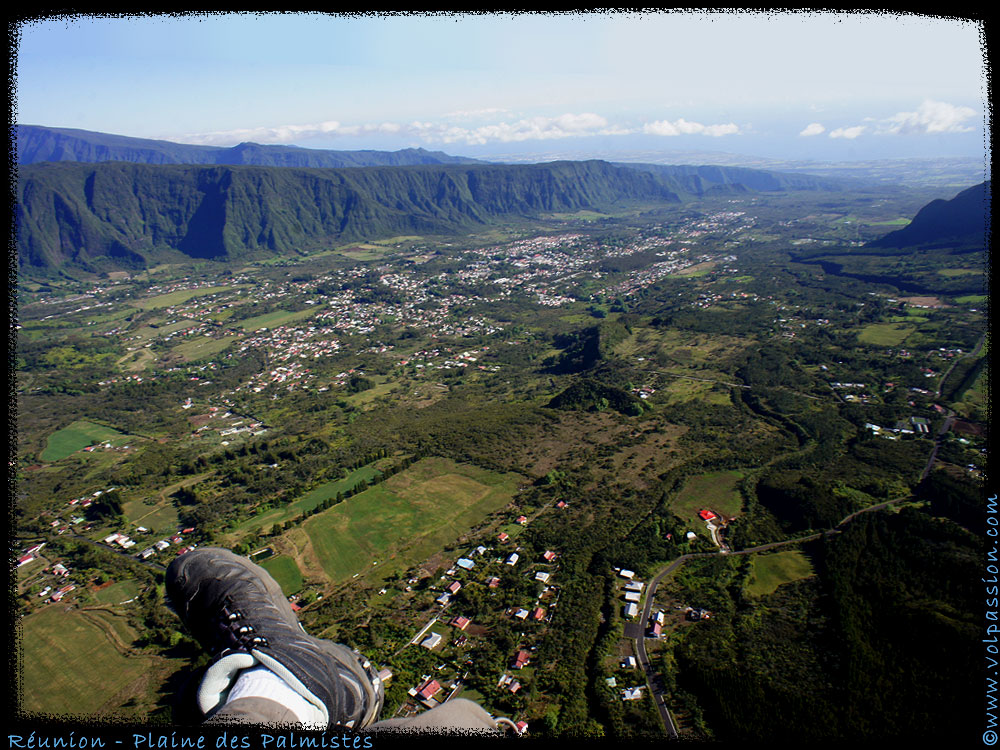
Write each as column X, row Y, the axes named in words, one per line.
column 561, row 504
column 454, row 586
column 549, row 555
column 523, row 520
column 706, row 515
column 502, row 536
column 493, row 582
column 461, row 622
column 428, row 690
column 538, row 613
column 522, row 658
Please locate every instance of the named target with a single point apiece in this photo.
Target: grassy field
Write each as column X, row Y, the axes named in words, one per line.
column 78, row 436
column 408, row 517
column 885, row 334
column 159, row 516
column 891, row 223
column 772, row 570
column 308, row 501
column 717, row 491
column 285, row 572
column 960, row 271
column 66, row 654
column 971, row 299
column 202, row 346
column 176, row 298
column 677, row 390
column 149, row 332
column 274, row 319
column 117, row 593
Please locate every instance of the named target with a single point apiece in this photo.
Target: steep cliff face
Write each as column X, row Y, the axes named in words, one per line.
column 36, row 143
column 73, row 213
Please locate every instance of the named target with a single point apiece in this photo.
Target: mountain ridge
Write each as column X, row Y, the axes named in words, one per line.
column 963, row 220
column 37, row 143
column 128, row 214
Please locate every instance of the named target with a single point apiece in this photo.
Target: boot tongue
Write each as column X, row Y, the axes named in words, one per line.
column 219, row 677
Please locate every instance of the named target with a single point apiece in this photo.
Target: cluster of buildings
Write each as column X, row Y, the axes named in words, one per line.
column 123, row 541
column 912, row 426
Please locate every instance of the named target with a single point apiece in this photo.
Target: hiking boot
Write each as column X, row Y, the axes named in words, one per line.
column 239, row 614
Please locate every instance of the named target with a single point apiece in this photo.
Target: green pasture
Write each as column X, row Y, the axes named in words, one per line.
column 717, row 491
column 885, row 334
column 408, row 517
column 159, row 516
column 286, row 572
column 363, row 397
column 116, row 593
column 308, row 501
column 137, row 360
column 77, row 436
column 275, row 319
column 678, row 390
column 149, row 332
column 65, row 655
column 202, row 346
column 900, row 222
column 960, row 271
column 772, row 570
column 583, row 215
column 176, row 298
column 971, row 299
column 364, row 252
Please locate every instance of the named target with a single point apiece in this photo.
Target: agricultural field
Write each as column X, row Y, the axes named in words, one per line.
column 408, row 517
column 773, row 569
column 117, row 593
column 67, row 653
column 960, row 271
column 284, row 570
column 718, row 491
column 885, row 334
column 202, row 347
column 308, row 501
column 77, row 436
column 177, row 298
column 274, row 319
column 160, row 516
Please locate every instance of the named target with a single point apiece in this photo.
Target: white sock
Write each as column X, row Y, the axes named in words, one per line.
column 261, row 682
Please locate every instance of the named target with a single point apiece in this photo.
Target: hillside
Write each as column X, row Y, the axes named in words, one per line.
column 716, row 180
column 37, row 144
column 963, row 220
column 97, row 216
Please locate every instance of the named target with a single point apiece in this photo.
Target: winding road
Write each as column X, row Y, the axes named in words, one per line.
column 653, row 680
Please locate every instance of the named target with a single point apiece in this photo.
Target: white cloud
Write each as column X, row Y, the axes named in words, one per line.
column 931, row 117
column 474, row 113
column 567, row 125
column 683, row 127
column 849, row 133
column 813, row 128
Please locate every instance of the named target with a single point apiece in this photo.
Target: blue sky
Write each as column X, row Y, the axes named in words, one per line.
column 793, row 85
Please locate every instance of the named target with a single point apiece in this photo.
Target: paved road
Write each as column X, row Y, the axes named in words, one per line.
column 653, row 679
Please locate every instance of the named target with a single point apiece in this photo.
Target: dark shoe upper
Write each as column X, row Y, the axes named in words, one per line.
column 233, row 606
